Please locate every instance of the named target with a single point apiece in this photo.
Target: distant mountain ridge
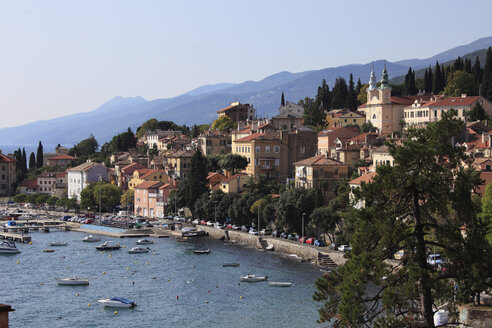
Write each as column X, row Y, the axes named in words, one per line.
column 200, row 104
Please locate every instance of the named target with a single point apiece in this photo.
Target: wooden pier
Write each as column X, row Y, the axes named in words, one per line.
column 15, row 237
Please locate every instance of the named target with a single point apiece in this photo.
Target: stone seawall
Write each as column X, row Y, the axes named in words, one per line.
column 306, row 252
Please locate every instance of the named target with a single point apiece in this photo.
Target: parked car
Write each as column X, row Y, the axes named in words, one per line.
column 253, row 232
column 344, row 248
column 302, row 240
column 210, row 223
column 236, row 227
column 244, row 228
column 218, row 225
column 293, row 237
column 229, row 226
column 435, row 259
column 319, row 243
column 203, row 222
column 265, row 232
column 275, row 234
column 284, row 235
column 148, row 224
column 310, row 241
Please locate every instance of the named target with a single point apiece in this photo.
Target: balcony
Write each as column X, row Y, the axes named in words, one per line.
column 153, row 195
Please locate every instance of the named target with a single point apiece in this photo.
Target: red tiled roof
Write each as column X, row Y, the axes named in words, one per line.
column 336, row 128
column 250, row 137
column 319, row 160
column 31, row 184
column 231, row 178
column 62, row 156
column 362, row 137
column 149, row 185
column 455, row 101
column 366, row 178
column 5, row 158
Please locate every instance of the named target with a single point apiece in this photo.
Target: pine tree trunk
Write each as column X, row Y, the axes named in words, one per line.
column 426, row 296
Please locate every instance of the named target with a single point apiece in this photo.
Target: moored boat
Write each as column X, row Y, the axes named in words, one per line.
column 48, row 250
column 91, row 239
column 58, row 243
column 253, row 278
column 107, row 245
column 201, row 251
column 230, row 264
column 280, row 284
column 269, row 248
column 138, row 250
column 118, row 302
column 72, row 281
column 8, row 247
column 144, row 242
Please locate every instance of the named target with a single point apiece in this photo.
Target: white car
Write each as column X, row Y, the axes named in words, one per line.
column 344, row 248
column 253, row 232
column 196, row 221
column 210, row 223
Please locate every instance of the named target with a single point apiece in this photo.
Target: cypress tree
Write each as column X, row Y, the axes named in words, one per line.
column 32, row 161
column 437, row 82
column 428, row 87
column 426, row 80
column 39, row 156
column 468, row 66
column 339, row 95
column 351, row 102
column 358, row 88
column 412, row 87
column 24, row 160
column 282, row 100
column 487, row 76
column 477, row 71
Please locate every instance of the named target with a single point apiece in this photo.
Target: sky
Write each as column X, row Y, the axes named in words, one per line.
column 64, row 57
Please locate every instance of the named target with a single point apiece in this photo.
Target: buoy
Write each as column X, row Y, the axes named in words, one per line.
column 133, row 282
column 18, row 262
column 77, row 294
column 206, row 302
column 128, row 268
column 217, row 286
column 153, row 253
column 82, row 261
column 169, row 279
column 89, row 304
column 115, row 312
column 209, row 290
column 68, row 267
column 30, row 243
column 135, row 262
column 241, row 297
column 109, row 255
column 177, row 297
column 41, row 283
column 101, row 252
column 147, row 263
column 104, row 272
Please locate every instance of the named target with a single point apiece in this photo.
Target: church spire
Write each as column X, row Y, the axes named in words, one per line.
column 372, row 80
column 384, row 78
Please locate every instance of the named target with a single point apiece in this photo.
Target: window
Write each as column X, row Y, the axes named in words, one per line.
column 302, row 149
column 3, row 167
column 3, row 177
column 487, row 167
column 276, row 149
column 256, row 161
column 374, row 116
column 267, row 149
column 277, row 162
column 257, row 149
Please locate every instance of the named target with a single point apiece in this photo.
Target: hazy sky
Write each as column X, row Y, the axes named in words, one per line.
column 63, row 57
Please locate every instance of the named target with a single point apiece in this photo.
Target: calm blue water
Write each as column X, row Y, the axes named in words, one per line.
column 154, row 281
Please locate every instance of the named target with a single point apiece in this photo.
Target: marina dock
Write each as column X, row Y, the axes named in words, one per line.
column 15, row 237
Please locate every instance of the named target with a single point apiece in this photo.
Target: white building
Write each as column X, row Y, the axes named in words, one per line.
column 81, row 176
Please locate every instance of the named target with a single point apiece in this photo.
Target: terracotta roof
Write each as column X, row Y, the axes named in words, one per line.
column 231, row 178
column 31, row 184
column 212, row 174
column 149, row 185
column 236, row 105
column 130, row 168
column 83, row 167
column 5, row 158
column 382, row 149
column 455, row 101
column 250, row 137
column 366, row 178
column 362, row 137
column 336, row 128
column 318, row 160
column 62, row 156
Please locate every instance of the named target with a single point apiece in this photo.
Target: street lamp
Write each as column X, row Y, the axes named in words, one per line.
column 303, row 214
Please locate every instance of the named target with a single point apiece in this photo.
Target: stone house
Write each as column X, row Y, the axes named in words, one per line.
column 7, row 175
column 238, row 112
column 318, row 171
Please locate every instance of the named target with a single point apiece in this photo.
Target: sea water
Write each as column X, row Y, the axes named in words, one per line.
column 172, row 286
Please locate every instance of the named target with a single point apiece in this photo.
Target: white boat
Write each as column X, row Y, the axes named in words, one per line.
column 144, row 242
column 91, row 239
column 72, row 281
column 106, row 246
column 201, row 251
column 253, row 278
column 118, row 302
column 8, row 247
column 138, row 250
column 280, row 284
column 269, row 248
column 58, row 243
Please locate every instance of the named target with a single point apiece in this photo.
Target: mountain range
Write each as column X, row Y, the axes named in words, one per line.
column 200, row 105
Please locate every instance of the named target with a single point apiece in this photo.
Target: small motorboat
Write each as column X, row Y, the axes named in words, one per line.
column 118, row 302
column 58, row 243
column 280, row 284
column 253, row 278
column 182, row 239
column 106, row 246
column 72, row 281
column 91, row 239
column 138, row 250
column 48, row 250
column 230, row 264
column 269, row 248
column 144, row 242
column 8, row 247
column 201, row 251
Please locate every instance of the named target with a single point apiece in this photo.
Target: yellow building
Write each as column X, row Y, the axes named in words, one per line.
column 312, row 172
column 179, row 164
column 142, row 175
column 235, row 183
column 349, row 118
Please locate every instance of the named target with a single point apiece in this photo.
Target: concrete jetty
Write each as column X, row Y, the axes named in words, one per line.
column 15, row 237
